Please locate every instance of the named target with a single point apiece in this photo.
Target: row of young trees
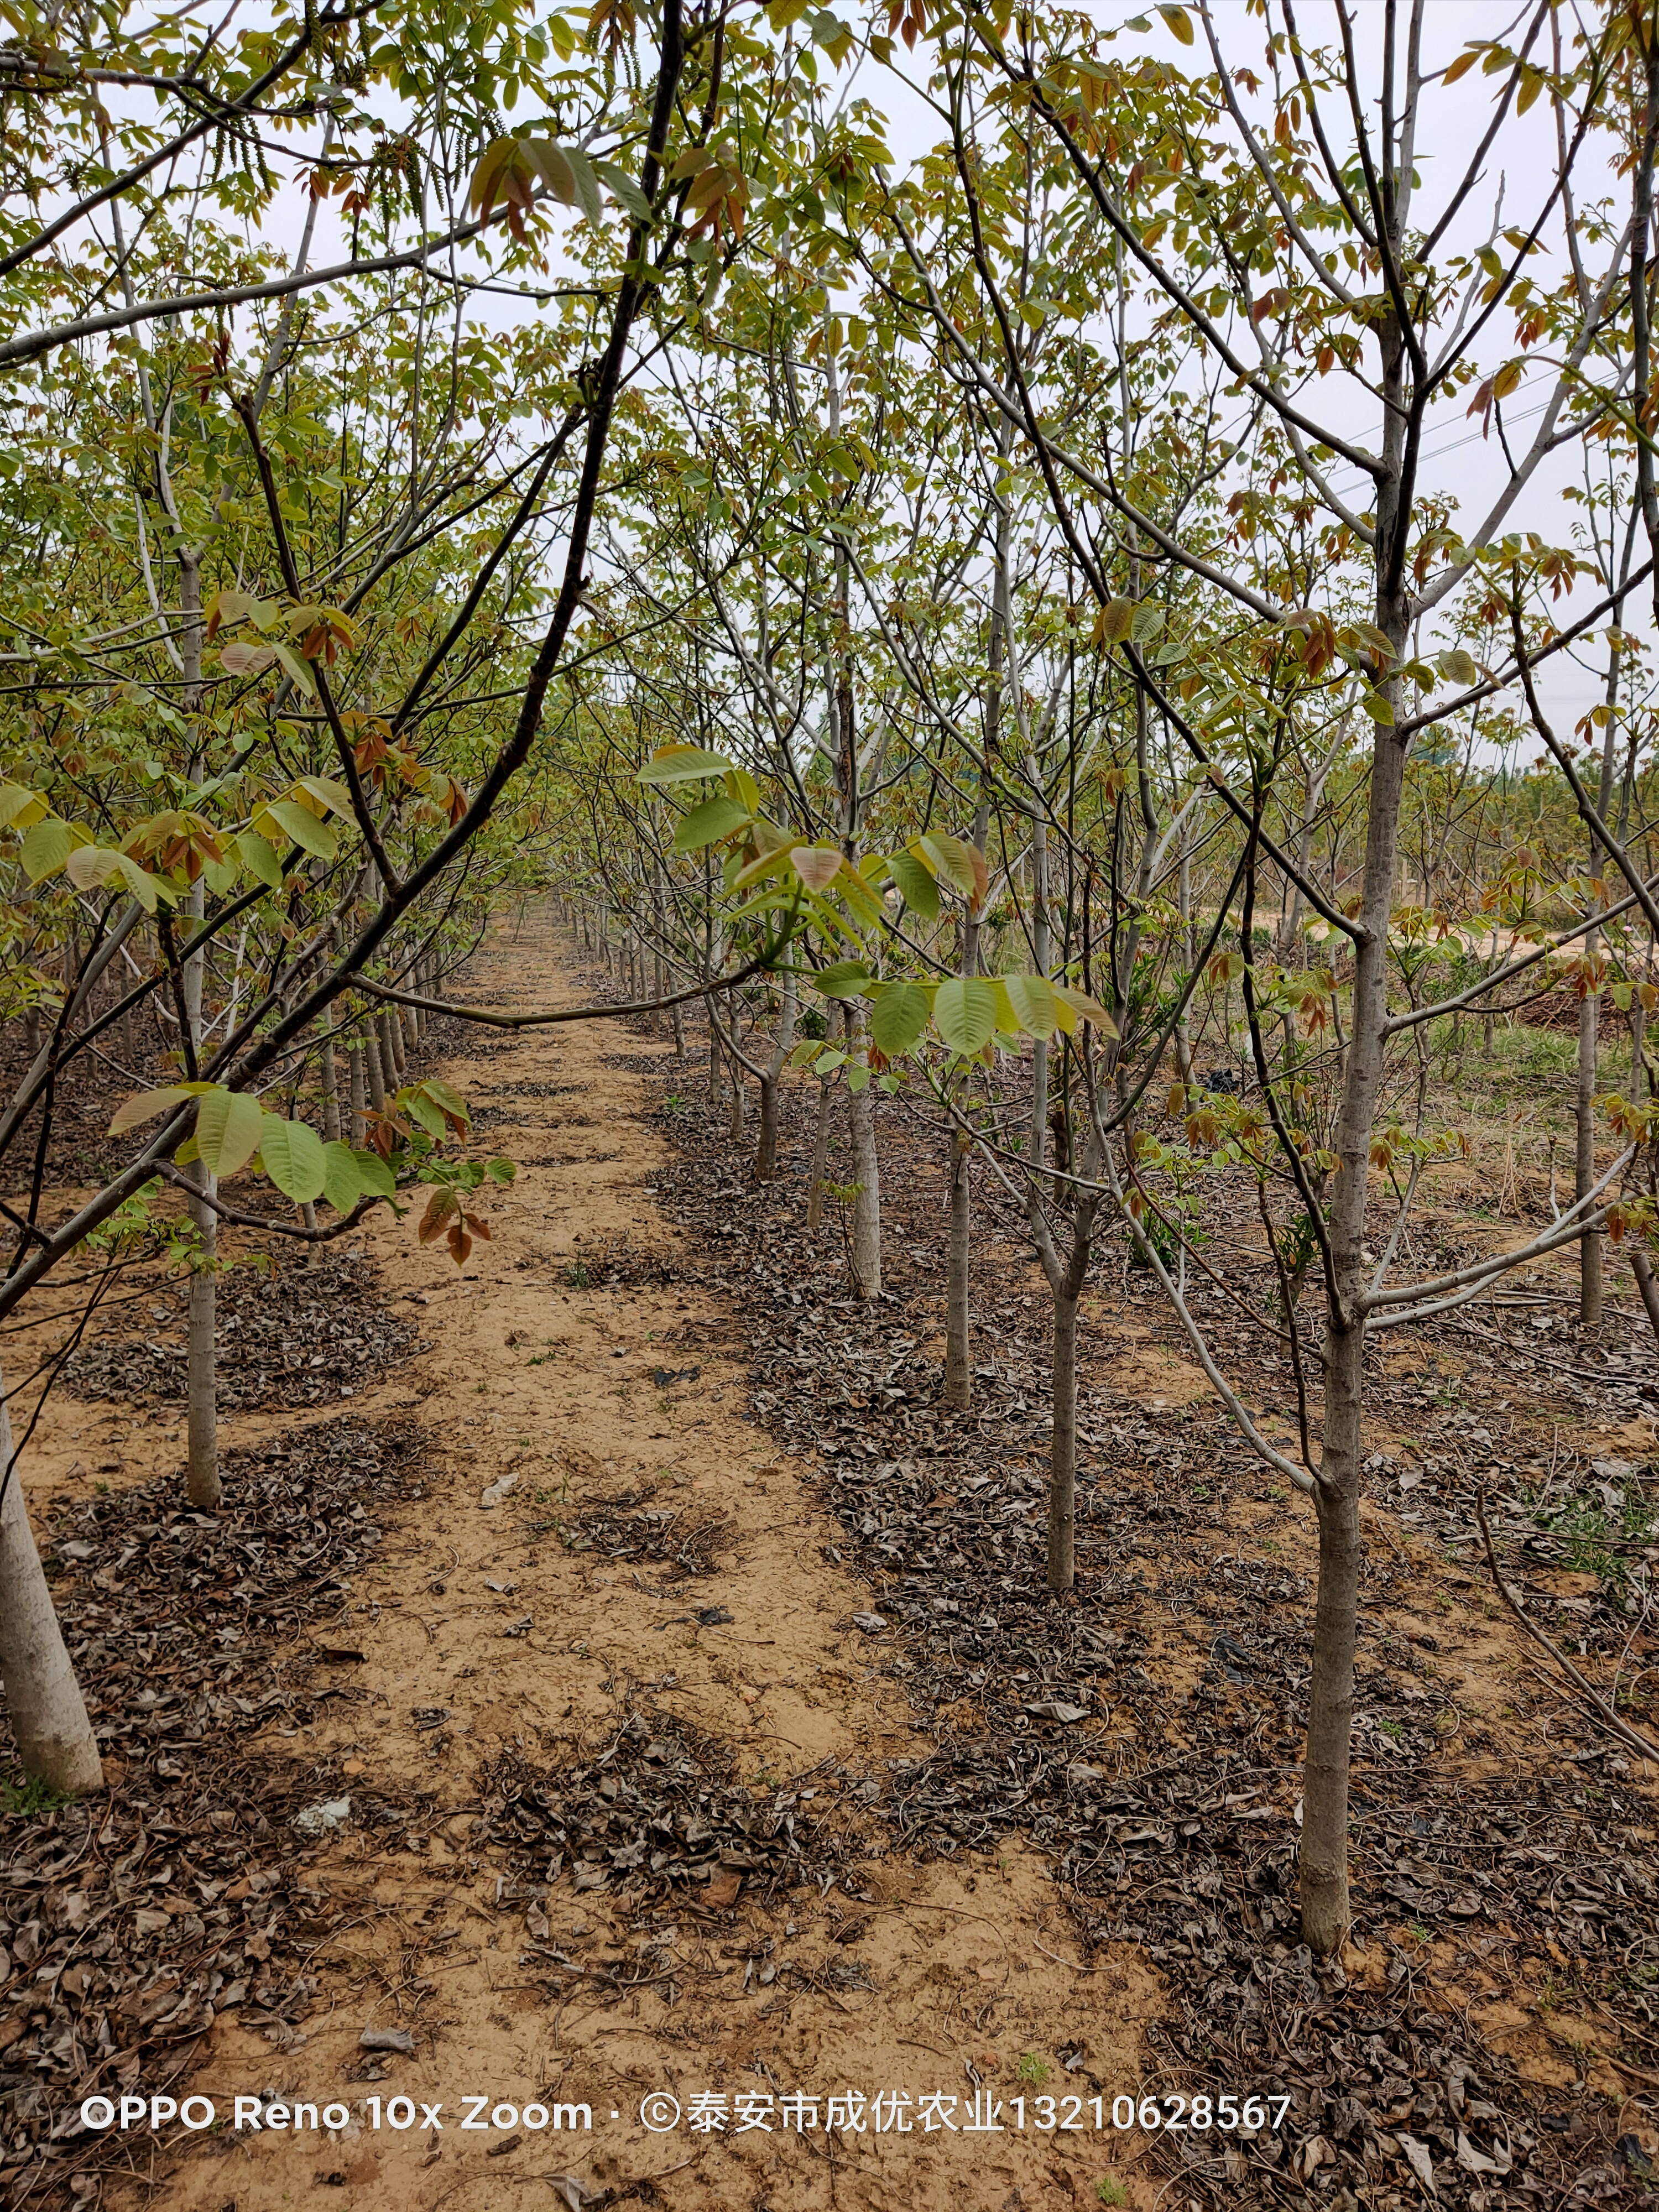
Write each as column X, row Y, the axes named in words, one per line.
column 1004, row 628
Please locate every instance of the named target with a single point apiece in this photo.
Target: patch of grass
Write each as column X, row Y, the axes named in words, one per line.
column 30, row 1799
column 1111, row 2192
column 1591, row 1524
column 576, row 1275
column 1031, row 2067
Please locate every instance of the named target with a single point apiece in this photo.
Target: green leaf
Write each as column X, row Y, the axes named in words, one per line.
column 916, row 887
column 145, row 1105
column 221, row 876
column 950, row 857
column 1115, row 620
column 446, row 1100
column 1180, row 22
column 303, row 828
column 343, row 1183
column 623, row 190
column 965, row 1013
column 229, row 1127
column 375, row 1177
column 20, row 806
column 683, row 764
column 898, row 1015
column 1033, row 1002
column 46, row 848
column 1461, row 667
column 297, row 669
column 327, row 790
column 259, row 857
column 1376, row 707
column 847, row 979
column 1077, row 1006
column 708, row 824
column 420, row 1108
column 292, row 1155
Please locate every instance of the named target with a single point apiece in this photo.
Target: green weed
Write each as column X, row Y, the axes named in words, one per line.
column 29, row 1799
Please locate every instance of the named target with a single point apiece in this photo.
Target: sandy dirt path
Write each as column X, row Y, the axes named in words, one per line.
column 489, row 1631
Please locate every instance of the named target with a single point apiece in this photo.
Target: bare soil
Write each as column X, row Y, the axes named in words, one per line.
column 705, row 1728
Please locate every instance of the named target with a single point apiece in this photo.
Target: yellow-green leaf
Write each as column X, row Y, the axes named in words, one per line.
column 229, row 1129
column 328, row 791
column 342, row 1184
column 303, row 827
column 1072, row 1006
column 683, row 764
column 259, row 857
column 1033, row 1001
column 20, row 807
column 144, row 1106
column 375, row 1177
column 1115, row 621
column 965, row 1013
column 46, row 848
column 916, row 886
column 708, row 824
column 898, row 1015
column 292, row 1155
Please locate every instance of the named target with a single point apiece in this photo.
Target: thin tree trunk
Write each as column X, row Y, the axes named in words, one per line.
column 1324, row 1849
column 1638, row 1023
column 735, row 1115
column 391, row 1049
column 820, row 1153
column 766, row 1152
column 1062, row 1451
column 1590, row 1022
column 330, row 1089
column 1590, row 1245
column 959, row 1346
column 359, row 1120
column 1183, row 1036
column 866, row 1169
column 377, row 1082
column 48, row 1715
column 201, row 1482
column 1648, row 1287
column 766, row 1149
column 734, row 1071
